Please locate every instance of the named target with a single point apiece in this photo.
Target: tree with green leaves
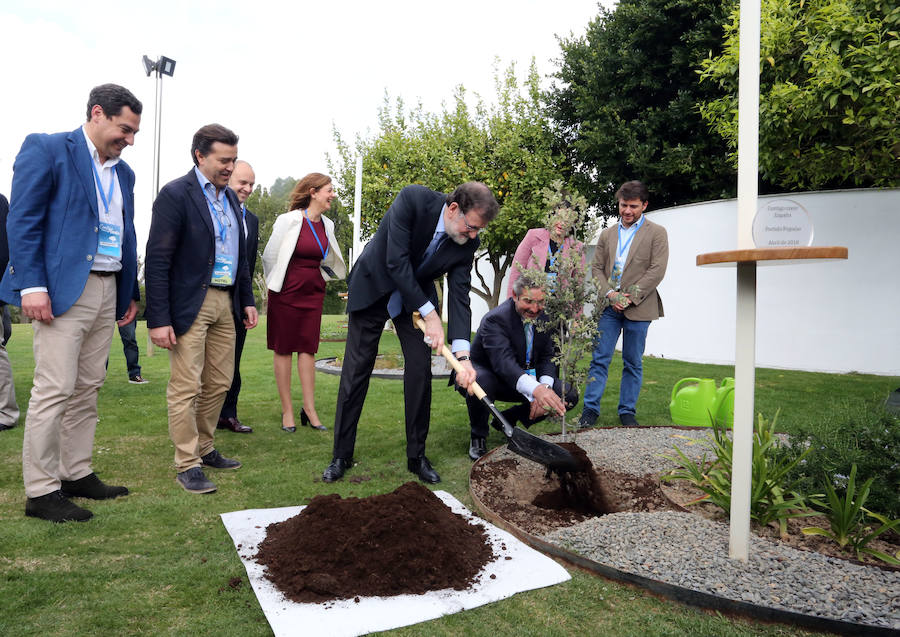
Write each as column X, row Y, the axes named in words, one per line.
column 508, row 146
column 830, row 93
column 626, row 98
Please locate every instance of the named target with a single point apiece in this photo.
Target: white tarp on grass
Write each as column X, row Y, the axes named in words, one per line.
column 517, row 568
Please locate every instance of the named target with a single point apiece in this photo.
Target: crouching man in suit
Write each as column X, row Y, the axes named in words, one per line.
column 513, row 361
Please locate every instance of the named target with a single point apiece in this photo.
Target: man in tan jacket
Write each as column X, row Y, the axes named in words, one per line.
column 630, row 261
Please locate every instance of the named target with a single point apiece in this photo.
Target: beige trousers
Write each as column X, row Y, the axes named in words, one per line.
column 69, row 368
column 202, row 365
column 9, row 408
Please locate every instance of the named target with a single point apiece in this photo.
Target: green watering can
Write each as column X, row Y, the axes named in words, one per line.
column 696, row 401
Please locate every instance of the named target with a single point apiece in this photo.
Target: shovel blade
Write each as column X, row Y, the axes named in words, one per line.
column 541, row 451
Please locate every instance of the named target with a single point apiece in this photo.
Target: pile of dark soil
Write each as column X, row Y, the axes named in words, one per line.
column 403, row 542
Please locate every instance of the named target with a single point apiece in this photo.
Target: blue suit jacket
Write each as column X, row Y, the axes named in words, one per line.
column 181, row 252
column 391, row 259
column 499, row 345
column 53, row 223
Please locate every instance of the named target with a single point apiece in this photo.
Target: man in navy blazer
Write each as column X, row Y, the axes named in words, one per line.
column 423, row 235
column 514, row 362
column 198, row 285
column 73, row 269
column 242, row 181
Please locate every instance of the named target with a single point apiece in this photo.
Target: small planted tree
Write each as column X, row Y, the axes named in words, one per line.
column 569, row 294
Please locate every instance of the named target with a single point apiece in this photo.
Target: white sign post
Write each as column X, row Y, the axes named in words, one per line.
column 745, row 328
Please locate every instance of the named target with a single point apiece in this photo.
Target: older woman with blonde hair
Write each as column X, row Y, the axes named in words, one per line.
column 301, row 255
column 540, row 247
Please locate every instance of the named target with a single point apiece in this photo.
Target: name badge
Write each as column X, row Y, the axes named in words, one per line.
column 531, row 372
column 109, row 242
column 223, row 270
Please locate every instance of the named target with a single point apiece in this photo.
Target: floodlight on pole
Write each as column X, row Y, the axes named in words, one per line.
column 161, row 66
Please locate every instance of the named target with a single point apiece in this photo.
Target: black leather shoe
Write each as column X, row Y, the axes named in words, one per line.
column 422, row 468
column 5, row 427
column 216, row 460
column 235, row 425
column 628, row 420
column 91, row 487
column 477, row 447
column 55, row 507
column 304, row 420
column 588, row 418
column 335, row 471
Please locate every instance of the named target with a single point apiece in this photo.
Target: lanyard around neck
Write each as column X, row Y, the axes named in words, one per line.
column 324, row 250
column 106, row 198
column 622, row 249
column 219, row 216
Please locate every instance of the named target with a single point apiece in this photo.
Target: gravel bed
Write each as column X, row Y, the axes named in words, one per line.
column 690, row 551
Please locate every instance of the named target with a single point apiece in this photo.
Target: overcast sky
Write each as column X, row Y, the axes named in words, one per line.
column 280, row 75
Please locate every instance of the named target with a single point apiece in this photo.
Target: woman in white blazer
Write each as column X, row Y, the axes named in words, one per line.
column 301, row 255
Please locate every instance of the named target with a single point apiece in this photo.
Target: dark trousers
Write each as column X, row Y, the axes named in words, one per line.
column 497, row 390
column 229, row 407
column 130, row 347
column 364, row 330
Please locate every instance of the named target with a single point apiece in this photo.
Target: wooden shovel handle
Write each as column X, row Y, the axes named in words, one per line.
column 419, row 322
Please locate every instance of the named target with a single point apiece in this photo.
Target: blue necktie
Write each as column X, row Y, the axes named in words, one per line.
column 395, row 303
column 529, row 341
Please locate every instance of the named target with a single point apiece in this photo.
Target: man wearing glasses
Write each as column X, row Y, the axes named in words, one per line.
column 198, row 284
column 423, row 236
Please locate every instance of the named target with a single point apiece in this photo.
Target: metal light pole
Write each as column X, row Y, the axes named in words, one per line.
column 162, row 66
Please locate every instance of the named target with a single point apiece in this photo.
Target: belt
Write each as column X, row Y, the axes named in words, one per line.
column 103, row 272
column 224, row 288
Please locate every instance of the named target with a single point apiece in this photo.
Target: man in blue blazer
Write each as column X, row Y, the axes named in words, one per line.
column 73, row 269
column 422, row 236
column 514, row 362
column 198, row 285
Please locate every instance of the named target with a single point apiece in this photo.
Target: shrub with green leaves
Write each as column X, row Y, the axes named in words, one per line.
column 858, row 434
column 772, row 494
column 847, row 519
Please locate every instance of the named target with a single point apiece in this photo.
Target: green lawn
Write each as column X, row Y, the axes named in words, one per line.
column 159, row 561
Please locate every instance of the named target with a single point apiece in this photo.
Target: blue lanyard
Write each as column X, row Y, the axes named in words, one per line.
column 324, row 250
column 622, row 249
column 223, row 228
column 105, row 198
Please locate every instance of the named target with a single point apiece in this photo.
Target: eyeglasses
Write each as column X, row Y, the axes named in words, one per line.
column 475, row 229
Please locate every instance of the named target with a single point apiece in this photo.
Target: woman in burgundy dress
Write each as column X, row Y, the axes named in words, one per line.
column 301, row 255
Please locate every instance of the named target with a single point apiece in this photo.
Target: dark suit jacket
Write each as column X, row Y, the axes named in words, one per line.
column 181, row 251
column 252, row 239
column 499, row 346
column 4, row 243
column 54, row 221
column 390, row 260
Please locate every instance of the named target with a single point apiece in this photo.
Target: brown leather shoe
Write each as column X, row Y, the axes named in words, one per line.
column 233, row 424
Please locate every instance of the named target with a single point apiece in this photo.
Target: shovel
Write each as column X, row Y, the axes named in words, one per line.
column 519, row 441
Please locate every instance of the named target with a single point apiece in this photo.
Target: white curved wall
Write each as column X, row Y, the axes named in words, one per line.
column 836, row 316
